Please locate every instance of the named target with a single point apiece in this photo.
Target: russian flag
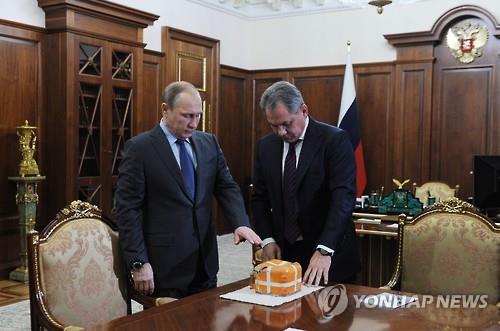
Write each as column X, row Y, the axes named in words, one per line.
column 348, row 121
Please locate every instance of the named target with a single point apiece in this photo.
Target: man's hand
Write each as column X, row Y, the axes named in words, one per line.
column 319, row 266
column 271, row 251
column 243, row 233
column 143, row 279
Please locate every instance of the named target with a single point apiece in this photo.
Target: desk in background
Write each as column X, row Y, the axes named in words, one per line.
column 378, row 246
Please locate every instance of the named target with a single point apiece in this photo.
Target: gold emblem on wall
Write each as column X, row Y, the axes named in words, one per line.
column 466, row 42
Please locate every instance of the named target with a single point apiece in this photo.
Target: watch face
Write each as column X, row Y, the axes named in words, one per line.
column 323, row 252
column 136, row 265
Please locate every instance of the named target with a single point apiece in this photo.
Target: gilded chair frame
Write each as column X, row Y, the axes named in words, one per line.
column 451, row 205
column 40, row 314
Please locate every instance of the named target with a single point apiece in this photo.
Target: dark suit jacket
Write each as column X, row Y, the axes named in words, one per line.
column 157, row 220
column 325, row 195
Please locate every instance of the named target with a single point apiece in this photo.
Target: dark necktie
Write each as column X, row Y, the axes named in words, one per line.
column 292, row 229
column 187, row 167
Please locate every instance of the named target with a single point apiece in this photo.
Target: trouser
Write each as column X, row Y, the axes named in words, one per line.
column 201, row 282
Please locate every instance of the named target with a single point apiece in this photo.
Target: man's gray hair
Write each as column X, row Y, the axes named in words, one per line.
column 283, row 92
column 173, row 90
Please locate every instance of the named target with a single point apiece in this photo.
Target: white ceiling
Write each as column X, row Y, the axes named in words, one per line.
column 260, row 9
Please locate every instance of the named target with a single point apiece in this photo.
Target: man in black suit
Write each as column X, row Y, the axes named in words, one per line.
column 304, row 190
column 166, row 182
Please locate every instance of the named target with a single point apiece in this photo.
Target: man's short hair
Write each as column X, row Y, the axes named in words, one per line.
column 283, row 92
column 173, row 90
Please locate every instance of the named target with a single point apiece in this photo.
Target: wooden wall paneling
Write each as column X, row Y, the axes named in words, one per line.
column 21, row 98
column 235, row 133
column 261, row 80
column 152, row 88
column 321, row 90
column 374, row 94
column 194, row 58
column 464, row 111
column 60, row 166
column 463, row 106
column 411, row 127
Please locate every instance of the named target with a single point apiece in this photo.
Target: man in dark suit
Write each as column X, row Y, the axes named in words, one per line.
column 304, row 190
column 166, row 182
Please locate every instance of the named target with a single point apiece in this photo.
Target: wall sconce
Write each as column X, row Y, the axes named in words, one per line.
column 380, row 4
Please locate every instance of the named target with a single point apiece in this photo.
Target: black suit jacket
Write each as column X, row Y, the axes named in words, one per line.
column 157, row 220
column 325, row 194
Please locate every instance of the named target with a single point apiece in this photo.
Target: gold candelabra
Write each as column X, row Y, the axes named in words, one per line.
column 27, row 196
column 27, row 147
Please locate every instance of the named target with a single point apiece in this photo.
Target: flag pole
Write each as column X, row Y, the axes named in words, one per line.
column 348, row 121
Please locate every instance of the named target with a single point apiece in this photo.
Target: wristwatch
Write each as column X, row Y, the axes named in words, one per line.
column 323, row 252
column 136, row 265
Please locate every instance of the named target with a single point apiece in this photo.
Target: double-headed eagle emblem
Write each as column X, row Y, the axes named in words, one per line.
column 466, row 42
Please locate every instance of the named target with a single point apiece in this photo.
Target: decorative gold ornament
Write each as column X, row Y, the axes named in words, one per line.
column 455, row 205
column 27, row 147
column 380, row 4
column 399, row 184
column 466, row 42
column 78, row 208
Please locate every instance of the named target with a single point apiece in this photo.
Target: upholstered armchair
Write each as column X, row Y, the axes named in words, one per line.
column 448, row 249
column 77, row 279
column 76, row 276
column 438, row 190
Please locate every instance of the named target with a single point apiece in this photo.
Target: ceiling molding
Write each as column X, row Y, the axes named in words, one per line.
column 262, row 9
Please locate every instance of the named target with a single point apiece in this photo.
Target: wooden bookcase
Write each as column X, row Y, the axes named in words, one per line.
column 94, row 56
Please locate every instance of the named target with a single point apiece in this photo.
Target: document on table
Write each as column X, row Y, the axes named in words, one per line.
column 249, row 295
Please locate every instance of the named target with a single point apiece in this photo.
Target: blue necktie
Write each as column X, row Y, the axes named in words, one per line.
column 187, row 167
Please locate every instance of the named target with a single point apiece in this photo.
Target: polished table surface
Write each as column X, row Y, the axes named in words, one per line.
column 206, row 311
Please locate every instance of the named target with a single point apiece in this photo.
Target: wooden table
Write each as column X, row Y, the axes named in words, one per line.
column 206, row 311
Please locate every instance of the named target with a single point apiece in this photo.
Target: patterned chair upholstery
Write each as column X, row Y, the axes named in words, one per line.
column 441, row 191
column 448, row 249
column 76, row 277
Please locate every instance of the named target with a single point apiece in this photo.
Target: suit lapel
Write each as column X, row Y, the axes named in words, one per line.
column 310, row 145
column 200, row 162
column 165, row 154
